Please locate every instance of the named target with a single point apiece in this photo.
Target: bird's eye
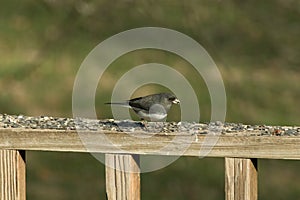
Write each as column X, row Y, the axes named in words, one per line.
column 171, row 98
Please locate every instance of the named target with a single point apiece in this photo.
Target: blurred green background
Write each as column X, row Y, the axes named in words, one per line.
column 254, row 43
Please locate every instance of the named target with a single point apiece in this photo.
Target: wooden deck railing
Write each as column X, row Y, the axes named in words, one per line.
column 241, row 151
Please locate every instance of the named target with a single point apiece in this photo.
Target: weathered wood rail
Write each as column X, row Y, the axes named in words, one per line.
column 240, row 150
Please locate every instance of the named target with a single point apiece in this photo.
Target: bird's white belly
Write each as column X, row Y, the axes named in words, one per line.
column 153, row 116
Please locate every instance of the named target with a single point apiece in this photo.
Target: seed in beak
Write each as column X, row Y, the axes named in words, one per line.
column 176, row 101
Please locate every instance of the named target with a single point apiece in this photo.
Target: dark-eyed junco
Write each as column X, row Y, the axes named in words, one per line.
column 153, row 107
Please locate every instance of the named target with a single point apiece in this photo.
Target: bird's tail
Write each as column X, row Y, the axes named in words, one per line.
column 123, row 104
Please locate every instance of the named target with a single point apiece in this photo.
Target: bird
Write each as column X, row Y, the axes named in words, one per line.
column 152, row 107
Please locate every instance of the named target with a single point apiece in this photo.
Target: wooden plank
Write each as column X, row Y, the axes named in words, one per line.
column 272, row 147
column 240, row 178
column 122, row 177
column 12, row 175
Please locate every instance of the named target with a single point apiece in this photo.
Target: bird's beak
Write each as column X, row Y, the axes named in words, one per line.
column 176, row 101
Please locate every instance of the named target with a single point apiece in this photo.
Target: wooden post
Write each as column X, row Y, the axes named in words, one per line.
column 240, row 178
column 122, row 177
column 12, row 175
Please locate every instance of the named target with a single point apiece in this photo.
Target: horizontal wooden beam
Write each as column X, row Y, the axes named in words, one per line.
column 181, row 143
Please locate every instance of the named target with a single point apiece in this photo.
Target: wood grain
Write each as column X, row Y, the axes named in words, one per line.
column 240, row 179
column 122, row 177
column 12, row 175
column 186, row 144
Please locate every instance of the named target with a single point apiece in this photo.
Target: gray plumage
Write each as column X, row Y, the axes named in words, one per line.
column 154, row 107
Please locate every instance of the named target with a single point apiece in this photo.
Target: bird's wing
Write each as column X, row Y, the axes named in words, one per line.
column 140, row 103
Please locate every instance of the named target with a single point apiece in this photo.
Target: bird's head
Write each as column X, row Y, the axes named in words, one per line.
column 172, row 98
